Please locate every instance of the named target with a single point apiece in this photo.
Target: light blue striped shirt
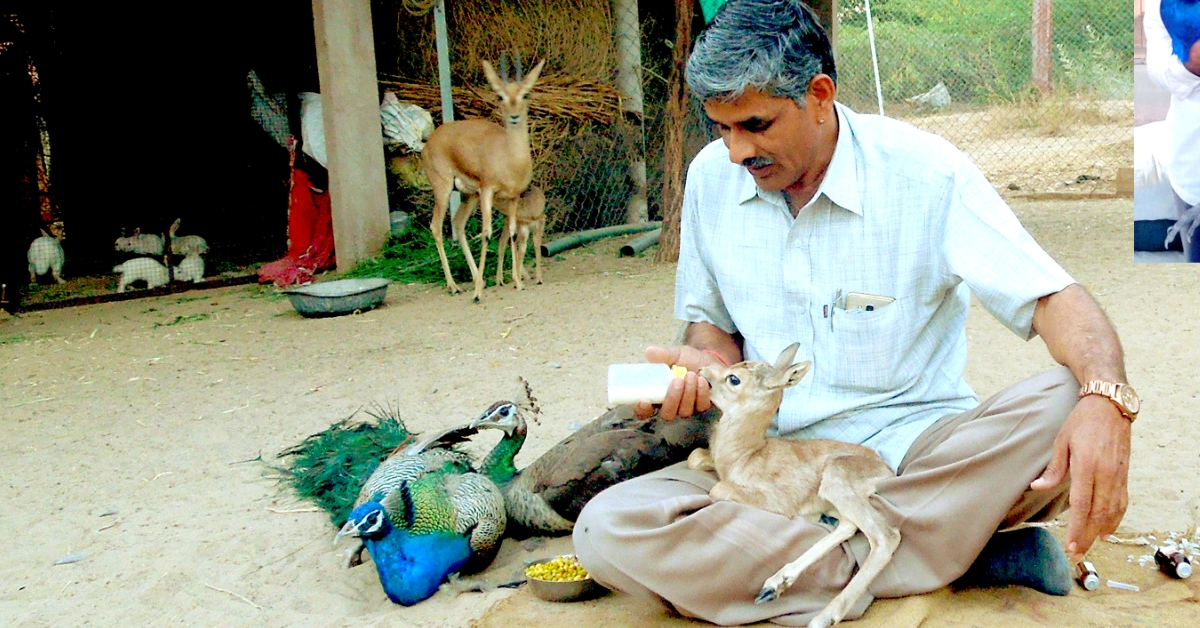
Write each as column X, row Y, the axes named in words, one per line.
column 901, row 213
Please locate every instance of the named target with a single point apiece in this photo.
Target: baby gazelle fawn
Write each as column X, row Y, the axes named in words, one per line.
column 530, row 216
column 793, row 477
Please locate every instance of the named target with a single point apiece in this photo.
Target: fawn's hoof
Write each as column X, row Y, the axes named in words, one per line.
column 821, row 621
column 766, row 595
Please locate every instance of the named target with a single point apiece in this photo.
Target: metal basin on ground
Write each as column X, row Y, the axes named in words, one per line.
column 343, row 296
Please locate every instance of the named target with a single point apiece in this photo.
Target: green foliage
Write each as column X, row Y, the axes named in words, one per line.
column 330, row 467
column 980, row 48
column 412, row 257
column 266, row 292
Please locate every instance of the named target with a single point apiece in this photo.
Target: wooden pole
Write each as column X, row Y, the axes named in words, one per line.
column 353, row 134
column 677, row 107
column 1043, row 44
column 627, row 32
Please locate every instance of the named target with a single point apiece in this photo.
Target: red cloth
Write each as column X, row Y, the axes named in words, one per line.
column 310, row 234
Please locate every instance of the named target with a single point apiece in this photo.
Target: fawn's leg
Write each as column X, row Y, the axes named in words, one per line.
column 844, row 486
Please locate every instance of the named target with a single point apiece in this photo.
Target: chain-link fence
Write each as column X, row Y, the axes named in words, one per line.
column 968, row 70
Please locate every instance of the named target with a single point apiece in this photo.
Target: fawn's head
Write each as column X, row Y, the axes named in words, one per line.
column 514, row 101
column 754, row 387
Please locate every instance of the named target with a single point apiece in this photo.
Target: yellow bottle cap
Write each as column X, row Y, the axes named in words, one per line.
column 679, row 371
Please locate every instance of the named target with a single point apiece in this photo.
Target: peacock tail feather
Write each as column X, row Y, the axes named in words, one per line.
column 329, row 467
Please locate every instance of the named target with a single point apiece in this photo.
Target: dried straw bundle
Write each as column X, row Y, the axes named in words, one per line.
column 554, row 97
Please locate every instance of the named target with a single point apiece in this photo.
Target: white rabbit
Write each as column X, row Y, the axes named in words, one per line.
column 185, row 245
column 46, row 255
column 144, row 269
column 142, row 243
column 190, row 269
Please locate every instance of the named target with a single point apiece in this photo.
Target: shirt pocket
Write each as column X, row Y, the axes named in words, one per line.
column 868, row 349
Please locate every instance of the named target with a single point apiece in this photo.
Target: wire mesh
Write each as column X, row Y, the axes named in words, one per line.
column 966, row 70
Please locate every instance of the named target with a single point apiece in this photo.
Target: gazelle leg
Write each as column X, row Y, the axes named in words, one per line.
column 519, row 256
column 460, row 222
column 500, row 256
column 441, row 201
column 786, row 577
column 537, row 229
column 485, row 216
column 843, row 487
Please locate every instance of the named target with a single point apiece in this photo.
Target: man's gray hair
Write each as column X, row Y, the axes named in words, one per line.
column 774, row 46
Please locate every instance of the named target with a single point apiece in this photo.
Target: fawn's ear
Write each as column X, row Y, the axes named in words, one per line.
column 785, row 373
column 789, row 376
column 786, row 356
column 493, row 79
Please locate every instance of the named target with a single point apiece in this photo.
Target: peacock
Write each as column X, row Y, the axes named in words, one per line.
column 423, row 514
column 1182, row 21
column 545, row 498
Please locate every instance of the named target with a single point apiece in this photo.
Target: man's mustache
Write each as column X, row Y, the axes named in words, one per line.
column 758, row 162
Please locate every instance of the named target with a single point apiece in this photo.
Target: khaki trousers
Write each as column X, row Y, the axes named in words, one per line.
column 963, row 479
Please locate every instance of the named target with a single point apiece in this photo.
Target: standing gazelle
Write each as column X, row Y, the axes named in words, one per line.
column 489, row 163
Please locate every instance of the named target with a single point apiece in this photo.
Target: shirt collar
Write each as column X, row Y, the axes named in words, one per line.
column 840, row 184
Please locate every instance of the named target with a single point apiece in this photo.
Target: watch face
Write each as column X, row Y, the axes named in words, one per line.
column 1130, row 400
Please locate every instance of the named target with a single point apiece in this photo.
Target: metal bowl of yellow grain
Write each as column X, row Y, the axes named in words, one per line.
column 561, row 579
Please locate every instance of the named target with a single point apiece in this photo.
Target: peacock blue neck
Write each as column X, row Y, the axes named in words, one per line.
column 412, row 567
column 500, row 464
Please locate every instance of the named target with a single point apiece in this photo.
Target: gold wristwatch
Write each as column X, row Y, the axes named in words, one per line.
column 1122, row 396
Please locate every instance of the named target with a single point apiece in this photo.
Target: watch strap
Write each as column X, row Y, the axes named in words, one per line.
column 1110, row 390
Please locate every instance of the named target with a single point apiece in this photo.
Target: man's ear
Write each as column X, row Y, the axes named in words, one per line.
column 822, row 91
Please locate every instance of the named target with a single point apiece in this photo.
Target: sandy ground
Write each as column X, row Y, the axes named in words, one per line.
column 132, row 434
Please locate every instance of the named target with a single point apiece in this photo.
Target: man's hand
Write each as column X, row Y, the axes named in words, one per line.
column 1093, row 447
column 685, row 396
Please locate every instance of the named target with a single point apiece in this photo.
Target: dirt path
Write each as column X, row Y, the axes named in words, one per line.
column 157, row 410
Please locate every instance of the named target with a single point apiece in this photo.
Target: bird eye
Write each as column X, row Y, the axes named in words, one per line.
column 733, row 380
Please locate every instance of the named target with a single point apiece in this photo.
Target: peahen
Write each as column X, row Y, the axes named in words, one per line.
column 423, row 514
column 1182, row 20
column 546, row 497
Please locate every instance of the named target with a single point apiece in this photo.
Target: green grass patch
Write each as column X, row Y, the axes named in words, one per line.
column 11, row 339
column 265, row 292
column 413, row 258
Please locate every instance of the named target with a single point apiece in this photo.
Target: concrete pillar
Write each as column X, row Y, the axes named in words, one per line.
column 353, row 135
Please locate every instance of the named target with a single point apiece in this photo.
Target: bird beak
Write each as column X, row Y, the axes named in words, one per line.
column 348, row 529
column 481, row 419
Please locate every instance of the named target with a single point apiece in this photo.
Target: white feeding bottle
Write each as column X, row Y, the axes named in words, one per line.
column 631, row 383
